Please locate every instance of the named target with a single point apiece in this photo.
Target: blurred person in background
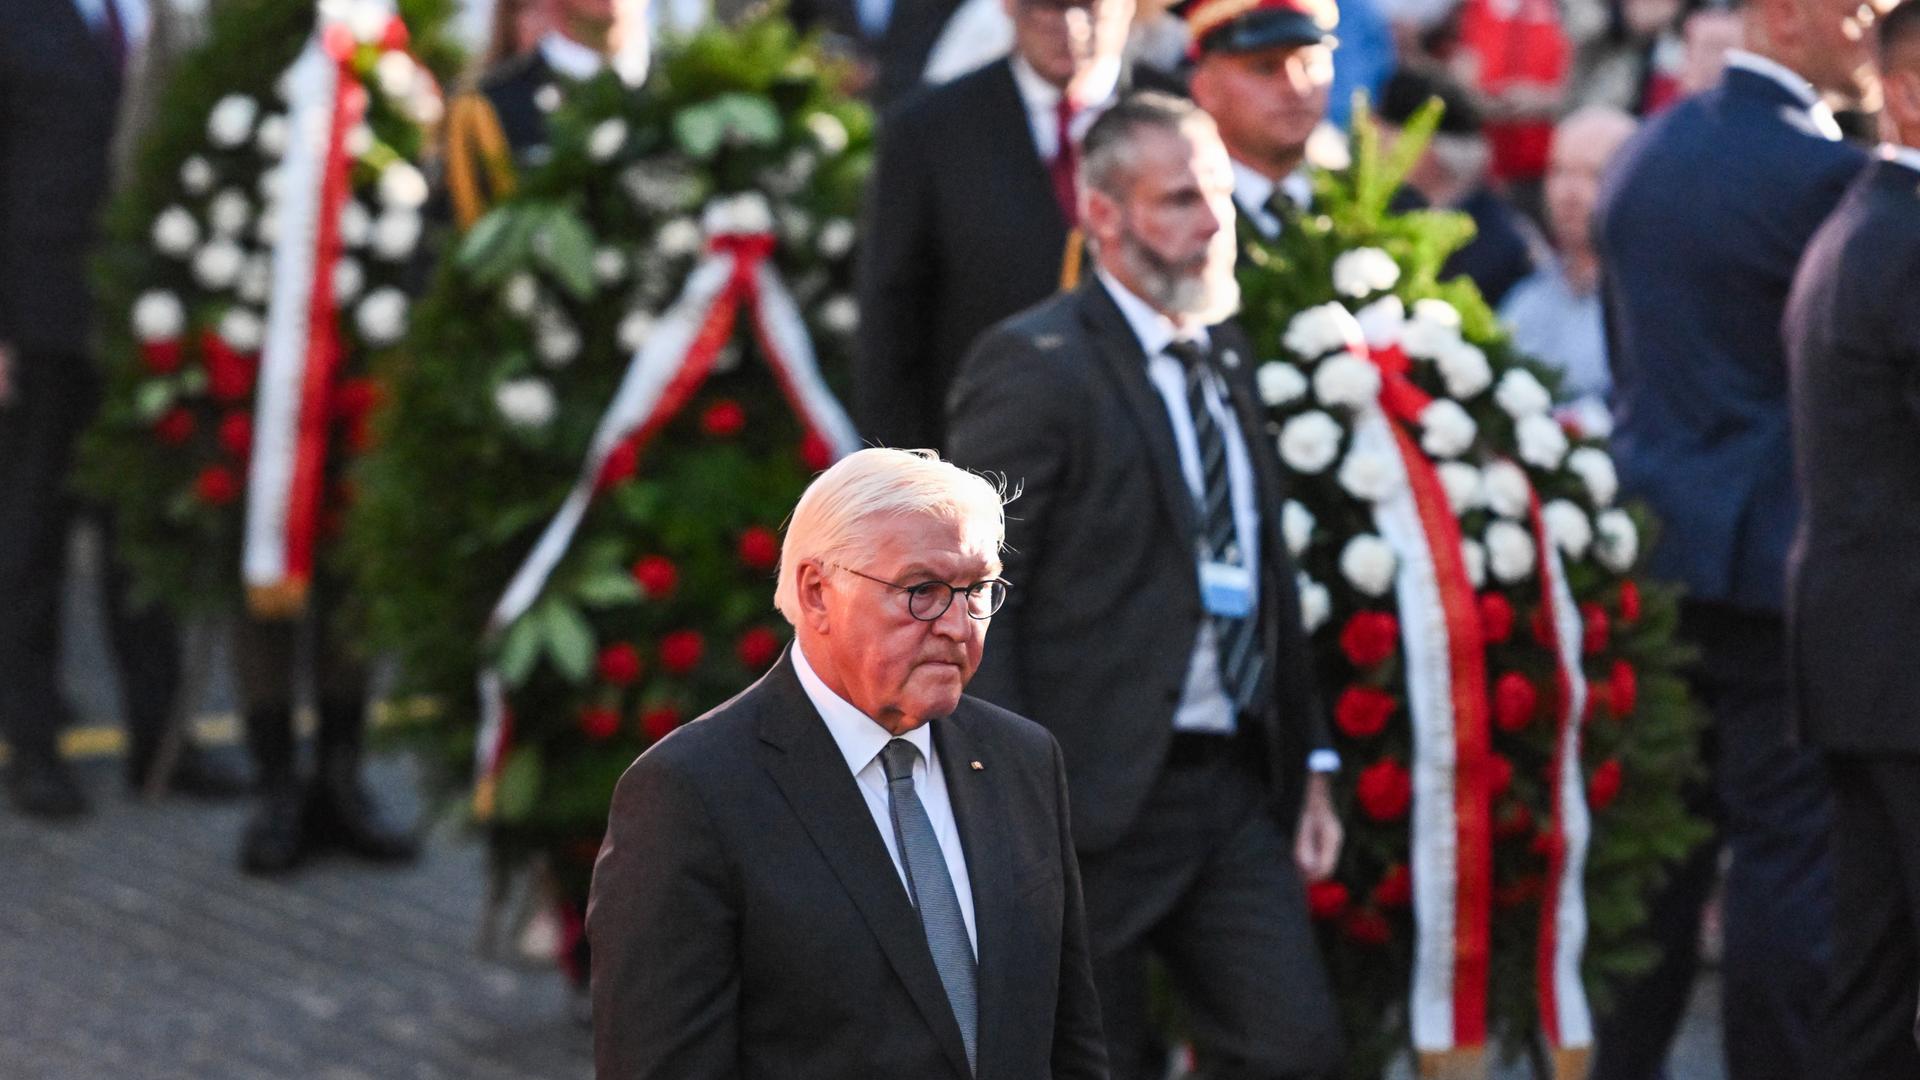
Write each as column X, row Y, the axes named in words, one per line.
column 887, row 40
column 1513, row 58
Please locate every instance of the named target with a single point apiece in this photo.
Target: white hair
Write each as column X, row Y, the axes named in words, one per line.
column 837, row 512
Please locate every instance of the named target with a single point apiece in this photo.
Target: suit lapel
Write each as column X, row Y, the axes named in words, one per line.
column 1026, row 172
column 812, row 774
column 981, row 817
column 1119, row 352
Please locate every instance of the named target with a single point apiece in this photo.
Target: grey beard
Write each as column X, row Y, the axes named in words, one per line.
column 1208, row 295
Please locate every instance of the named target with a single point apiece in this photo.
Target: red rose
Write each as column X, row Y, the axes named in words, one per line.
column 680, row 651
column 1364, row 926
column 1499, row 774
column 1362, row 711
column 1514, row 820
column 355, row 397
column 1496, row 618
column 1385, row 790
column 1550, row 846
column 757, row 647
column 724, row 419
column 174, row 428
column 1629, row 603
column 759, row 548
column 1395, row 889
column 1623, row 690
column 1593, row 638
column 1544, row 633
column 1514, row 702
column 620, row 664
column 622, row 462
column 659, row 721
column 657, row 576
column 1326, row 900
column 216, row 485
column 815, row 454
column 1521, row 890
column 599, row 723
column 236, row 434
column 1604, row 785
column 161, row 357
column 1370, row 638
column 229, row 374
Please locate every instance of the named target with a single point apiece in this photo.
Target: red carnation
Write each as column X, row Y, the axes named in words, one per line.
column 1629, row 603
column 216, row 485
column 1623, row 689
column 1327, row 899
column 393, row 39
column 1362, row 711
column 229, row 373
column 1545, row 634
column 759, row 548
column 1496, row 618
column 236, row 433
column 659, row 722
column 681, row 650
column 1514, row 702
column 1385, row 790
column 1593, row 638
column 1521, row 890
column 657, row 576
column 815, row 454
column 1550, row 846
column 724, row 419
column 757, row 647
column 1604, row 785
column 599, row 722
column 1515, row 820
column 1365, row 926
column 622, row 462
column 174, row 428
column 1369, row 638
column 161, row 357
column 1395, row 889
column 620, row 664
column 1499, row 774
column 355, row 397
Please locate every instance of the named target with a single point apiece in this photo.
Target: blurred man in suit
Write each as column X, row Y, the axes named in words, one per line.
column 1156, row 630
column 1853, row 353
column 76, row 79
column 970, row 205
column 852, row 870
column 888, row 40
column 1700, row 224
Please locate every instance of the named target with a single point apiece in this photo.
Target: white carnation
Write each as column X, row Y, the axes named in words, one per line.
column 359, row 141
column 267, row 185
column 1542, row 442
column 266, row 227
column 1507, row 491
column 678, row 237
column 1315, row 603
column 348, row 279
column 217, row 264
column 1368, row 563
column 827, row 131
column 1296, row 524
column 366, row 19
column 526, row 402
column 1474, row 555
column 1343, row 380
column 836, row 239
column 256, row 280
column 396, row 73
column 1319, row 330
column 840, row 314
column 229, row 212
column 1369, row 477
column 1521, row 394
column 1618, row 541
column 1464, row 368
column 196, row 175
column 555, row 339
column 1382, row 321
column 1509, row 552
column 547, row 98
column 1437, row 312
column 175, row 232
column 1446, row 429
column 231, row 120
column 402, row 187
column 1595, row 469
column 1363, row 272
column 1309, row 442
column 1462, row 484
column 521, row 294
column 1279, row 382
column 1434, row 326
column 1567, row 526
column 242, row 328
column 158, row 316
column 271, row 136
column 634, row 329
column 746, row 214
column 396, row 233
column 356, row 225
column 382, row 316
column 609, row 265
column 606, row 139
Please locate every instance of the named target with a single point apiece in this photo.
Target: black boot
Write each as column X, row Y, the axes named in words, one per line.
column 341, row 812
column 274, row 842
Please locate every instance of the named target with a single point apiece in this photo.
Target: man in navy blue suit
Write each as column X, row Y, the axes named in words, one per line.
column 1700, row 225
column 1853, row 350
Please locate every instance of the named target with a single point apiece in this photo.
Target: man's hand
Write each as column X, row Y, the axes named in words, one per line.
column 1316, row 846
column 6, row 375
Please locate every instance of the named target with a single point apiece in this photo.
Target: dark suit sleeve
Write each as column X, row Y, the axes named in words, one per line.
column 895, row 280
column 1079, row 1045
column 661, row 922
column 1005, row 419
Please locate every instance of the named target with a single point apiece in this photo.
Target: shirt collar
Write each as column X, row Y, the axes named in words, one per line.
column 1153, row 330
column 1789, row 79
column 859, row 738
column 1901, row 155
column 1251, row 188
column 1039, row 95
column 570, row 58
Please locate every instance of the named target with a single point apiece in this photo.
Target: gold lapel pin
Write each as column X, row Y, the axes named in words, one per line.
column 977, row 767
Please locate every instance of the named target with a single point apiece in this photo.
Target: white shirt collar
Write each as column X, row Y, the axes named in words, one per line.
column 1153, row 330
column 1042, row 96
column 859, row 738
column 1792, row 80
column 1252, row 189
column 570, row 58
column 1901, row 155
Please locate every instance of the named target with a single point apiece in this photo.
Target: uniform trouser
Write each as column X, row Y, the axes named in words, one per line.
column 1868, row 1033
column 266, row 654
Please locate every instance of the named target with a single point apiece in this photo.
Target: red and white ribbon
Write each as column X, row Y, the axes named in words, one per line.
column 663, row 376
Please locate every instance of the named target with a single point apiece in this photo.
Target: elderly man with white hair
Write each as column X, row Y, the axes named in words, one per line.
column 851, row 869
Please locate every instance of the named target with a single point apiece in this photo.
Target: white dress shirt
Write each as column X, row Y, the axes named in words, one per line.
column 1042, row 100
column 136, row 21
column 1818, row 115
column 1252, row 189
column 860, row 741
column 1204, row 704
column 569, row 58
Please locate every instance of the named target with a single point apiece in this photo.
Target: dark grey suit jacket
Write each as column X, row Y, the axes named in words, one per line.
column 746, row 920
column 900, row 52
column 1098, row 631
column 1852, row 334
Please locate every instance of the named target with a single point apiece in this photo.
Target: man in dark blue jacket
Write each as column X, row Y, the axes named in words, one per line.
column 1700, row 225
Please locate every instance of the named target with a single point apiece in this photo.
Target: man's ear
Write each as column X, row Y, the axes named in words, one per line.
column 810, row 587
column 1100, row 213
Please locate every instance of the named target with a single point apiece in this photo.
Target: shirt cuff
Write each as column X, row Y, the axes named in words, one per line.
column 1323, row 761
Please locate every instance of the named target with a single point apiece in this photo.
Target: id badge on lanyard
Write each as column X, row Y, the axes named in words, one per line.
column 1226, row 589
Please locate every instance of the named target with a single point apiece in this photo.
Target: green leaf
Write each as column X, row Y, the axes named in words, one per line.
column 566, row 247
column 519, row 789
column 497, row 244
column 640, row 501
column 699, row 130
column 520, row 650
column 152, row 399
column 569, row 638
column 748, row 119
column 608, row 589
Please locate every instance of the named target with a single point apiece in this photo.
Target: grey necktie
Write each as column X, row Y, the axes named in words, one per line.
column 932, row 889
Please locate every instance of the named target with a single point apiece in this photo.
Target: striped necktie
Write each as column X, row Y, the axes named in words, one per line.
column 933, row 891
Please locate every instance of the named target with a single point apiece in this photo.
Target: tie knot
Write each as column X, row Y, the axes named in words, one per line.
column 897, row 758
column 1281, row 204
column 1191, row 354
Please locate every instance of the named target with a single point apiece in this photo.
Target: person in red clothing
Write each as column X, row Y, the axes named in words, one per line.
column 1514, row 55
